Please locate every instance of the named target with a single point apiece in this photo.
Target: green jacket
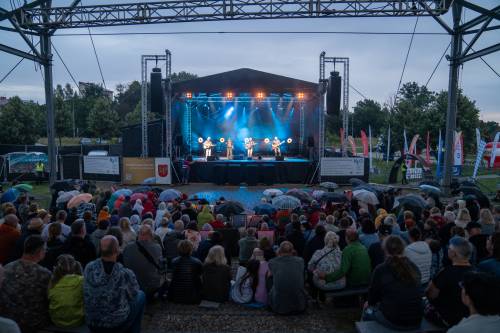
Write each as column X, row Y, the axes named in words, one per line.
column 66, row 302
column 355, row 266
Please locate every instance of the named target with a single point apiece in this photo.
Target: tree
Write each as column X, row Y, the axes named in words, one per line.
column 182, row 76
column 127, row 98
column 135, row 117
column 63, row 121
column 18, row 123
column 489, row 129
column 103, row 121
column 369, row 113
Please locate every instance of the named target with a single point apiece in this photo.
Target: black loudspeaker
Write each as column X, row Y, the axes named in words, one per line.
column 280, row 158
column 178, row 140
column 157, row 98
column 333, row 94
column 211, row 158
column 310, row 142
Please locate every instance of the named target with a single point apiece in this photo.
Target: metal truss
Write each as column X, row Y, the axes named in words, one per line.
column 216, row 10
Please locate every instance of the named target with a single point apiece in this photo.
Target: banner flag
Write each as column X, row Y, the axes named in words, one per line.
column 480, row 152
column 413, row 148
column 353, row 145
column 364, row 141
column 428, row 149
column 370, row 144
column 388, row 143
column 478, row 138
column 439, row 156
column 494, row 150
column 406, row 142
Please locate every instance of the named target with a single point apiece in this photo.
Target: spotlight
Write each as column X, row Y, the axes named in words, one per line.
column 301, row 95
column 289, row 140
column 260, row 95
column 189, row 95
column 200, row 140
column 229, row 112
column 266, row 140
column 222, row 140
column 229, row 95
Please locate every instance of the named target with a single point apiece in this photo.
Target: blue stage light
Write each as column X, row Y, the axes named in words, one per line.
column 229, row 112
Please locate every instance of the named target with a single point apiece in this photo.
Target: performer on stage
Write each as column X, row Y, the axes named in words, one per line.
column 207, row 145
column 276, row 146
column 249, row 143
column 229, row 149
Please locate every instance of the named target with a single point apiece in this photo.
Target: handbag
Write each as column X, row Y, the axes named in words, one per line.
column 161, row 266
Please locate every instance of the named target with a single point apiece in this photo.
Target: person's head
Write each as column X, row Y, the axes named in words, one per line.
column 216, row 256
column 207, row 227
column 320, row 231
column 331, row 240
column 449, row 216
column 192, row 226
column 185, row 219
column 61, row 216
column 178, row 226
column 11, row 220
column 473, row 228
column 219, row 218
column 105, row 208
column 330, row 219
column 164, row 222
column 264, row 226
column 103, row 225
column 294, row 218
column 430, row 224
column 415, row 235
column 162, row 206
column 459, row 250
column 145, row 233
column 117, row 233
column 36, row 224
column 78, row 228
column 44, row 215
column 435, row 211
column 149, row 222
column 367, row 226
column 124, row 224
column 394, row 248
column 258, row 254
column 384, row 231
column 286, row 249
column 486, row 216
column 251, row 232
column 493, row 245
column 34, row 248
column 351, row 236
column 87, row 215
column 265, row 243
column 185, row 248
column 110, row 248
column 390, row 220
column 408, row 215
column 55, row 231
column 457, row 231
column 65, row 265
column 480, row 293
column 344, row 223
column 322, row 216
column 463, row 216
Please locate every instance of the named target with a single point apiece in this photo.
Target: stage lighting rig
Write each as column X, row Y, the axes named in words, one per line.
column 188, row 95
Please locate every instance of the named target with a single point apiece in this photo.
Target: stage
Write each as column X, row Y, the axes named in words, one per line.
column 266, row 171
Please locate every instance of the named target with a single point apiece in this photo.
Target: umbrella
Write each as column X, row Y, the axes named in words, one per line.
column 264, row 209
column 66, row 196
column 142, row 189
column 300, row 194
column 118, row 202
column 317, row 194
column 150, row 180
column 111, row 201
column 366, row 196
column 23, row 187
column 272, row 192
column 135, row 196
column 123, row 191
column 330, row 186
column 356, row 181
column 10, row 195
column 286, row 202
column 370, row 188
column 78, row 199
column 334, row 197
column 482, row 199
column 410, row 201
column 169, row 195
column 430, row 189
column 230, row 208
column 429, row 182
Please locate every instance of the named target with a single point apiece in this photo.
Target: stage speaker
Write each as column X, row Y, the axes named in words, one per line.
column 280, row 158
column 333, row 94
column 157, row 97
column 178, row 140
column 310, row 141
column 211, row 158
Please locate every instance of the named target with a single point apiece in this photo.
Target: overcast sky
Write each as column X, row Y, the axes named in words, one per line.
column 376, row 61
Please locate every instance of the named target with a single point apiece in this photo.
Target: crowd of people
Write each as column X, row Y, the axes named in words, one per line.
column 99, row 267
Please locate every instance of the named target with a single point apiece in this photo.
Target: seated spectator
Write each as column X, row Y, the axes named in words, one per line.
column 171, row 241
column 193, row 235
column 317, row 242
column 368, row 233
column 487, row 221
column 214, row 238
column 247, row 244
column 326, row 260
column 66, row 293
column 392, row 221
column 219, row 222
column 437, row 256
column 492, row 263
column 135, row 222
column 205, row 216
column 296, row 237
column 287, row 294
column 129, row 235
column 267, row 247
column 104, row 215
column 246, row 281
column 216, row 276
column 23, row 296
column 99, row 233
column 61, row 219
column 112, row 299
column 54, row 248
column 125, row 209
column 185, row 286
column 344, row 224
column 394, row 296
column 90, row 225
column 9, row 234
column 381, row 215
column 430, row 229
column 189, row 211
column 420, row 254
column 330, row 224
column 463, row 218
column 355, row 265
column 162, row 229
column 144, row 258
column 261, row 289
column 478, row 239
column 446, row 308
column 375, row 251
column 79, row 244
column 160, row 214
column 435, row 215
column 480, row 293
column 35, row 227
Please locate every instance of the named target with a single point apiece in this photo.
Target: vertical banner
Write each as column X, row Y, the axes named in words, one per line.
column 162, row 170
column 494, row 150
column 342, row 140
column 457, row 154
column 353, row 145
column 370, row 145
column 428, row 148
column 439, row 156
column 364, row 141
column 478, row 139
column 388, row 143
column 413, row 148
column 406, row 142
column 479, row 156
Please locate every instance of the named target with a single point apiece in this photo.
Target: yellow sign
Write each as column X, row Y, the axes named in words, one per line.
column 136, row 170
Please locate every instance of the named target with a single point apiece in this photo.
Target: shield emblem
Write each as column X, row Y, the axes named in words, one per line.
column 163, row 170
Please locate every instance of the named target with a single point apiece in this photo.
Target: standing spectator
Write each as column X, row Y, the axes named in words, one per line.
column 125, row 209
column 129, row 235
column 492, row 263
column 420, row 254
column 79, row 244
column 112, row 298
column 61, row 219
column 66, row 293
column 144, row 258
column 375, row 251
column 394, row 296
column 186, row 168
column 247, row 244
column 443, row 292
column 287, row 294
column 185, row 286
column 245, row 284
column 171, row 240
column 9, row 234
column 478, row 239
column 463, row 218
column 216, row 276
column 23, row 296
column 355, row 265
column 437, row 256
column 480, row 293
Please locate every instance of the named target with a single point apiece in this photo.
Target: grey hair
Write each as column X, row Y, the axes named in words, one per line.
column 331, row 239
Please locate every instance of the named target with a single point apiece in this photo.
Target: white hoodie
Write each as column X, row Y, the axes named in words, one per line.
column 421, row 255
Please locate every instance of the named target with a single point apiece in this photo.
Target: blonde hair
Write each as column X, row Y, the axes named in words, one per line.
column 216, row 256
column 486, row 217
column 125, row 224
column 331, row 239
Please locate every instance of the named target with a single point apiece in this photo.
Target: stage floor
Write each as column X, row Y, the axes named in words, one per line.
column 264, row 159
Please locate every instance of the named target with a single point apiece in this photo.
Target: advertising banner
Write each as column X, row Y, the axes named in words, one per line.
column 136, row 170
column 102, row 165
column 162, row 171
column 342, row 166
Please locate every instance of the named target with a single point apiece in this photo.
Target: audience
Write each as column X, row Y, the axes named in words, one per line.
column 61, row 219
column 246, row 281
column 185, row 286
column 261, row 289
column 216, row 276
column 9, row 234
column 79, row 245
column 247, row 244
column 492, row 263
column 375, row 251
column 171, row 241
column 420, row 254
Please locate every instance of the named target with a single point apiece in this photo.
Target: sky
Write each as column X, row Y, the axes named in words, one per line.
column 376, row 61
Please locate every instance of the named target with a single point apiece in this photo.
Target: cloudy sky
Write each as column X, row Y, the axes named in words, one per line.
column 376, row 61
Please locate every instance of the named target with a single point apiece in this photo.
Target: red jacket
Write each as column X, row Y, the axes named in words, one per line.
column 8, row 237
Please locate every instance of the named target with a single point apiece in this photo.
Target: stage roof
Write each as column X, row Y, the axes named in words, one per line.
column 245, row 80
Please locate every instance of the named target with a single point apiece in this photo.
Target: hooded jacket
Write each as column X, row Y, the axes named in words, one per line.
column 421, row 255
column 66, row 301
